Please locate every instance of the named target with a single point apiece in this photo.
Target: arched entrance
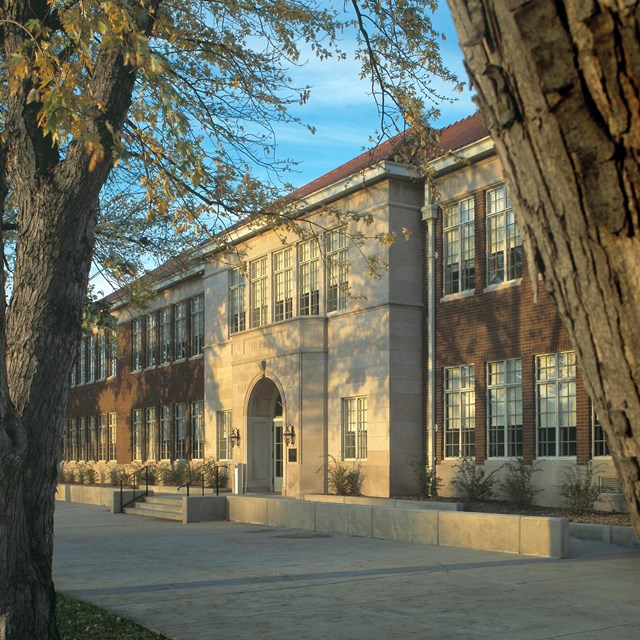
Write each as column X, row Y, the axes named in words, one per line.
column 265, row 450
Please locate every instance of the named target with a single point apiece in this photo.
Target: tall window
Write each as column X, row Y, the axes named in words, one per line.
column 181, row 429
column 151, row 432
column 197, row 429
column 102, row 356
column 504, row 408
column 308, row 283
column 504, row 244
column 82, row 375
column 556, row 404
column 91, row 438
column 82, row 439
column 73, row 439
column 337, row 270
column 197, row 325
column 354, row 426
column 258, row 273
column 136, row 433
column 165, row 432
column 459, row 411
column 600, row 446
column 113, row 353
column 223, row 420
column 74, row 374
column 180, row 331
column 91, row 368
column 113, row 451
column 237, row 320
column 282, row 285
column 459, row 247
column 137, row 344
column 151, row 339
column 101, row 428
column 165, row 335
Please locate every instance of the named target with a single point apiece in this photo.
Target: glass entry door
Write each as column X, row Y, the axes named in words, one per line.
column 278, row 454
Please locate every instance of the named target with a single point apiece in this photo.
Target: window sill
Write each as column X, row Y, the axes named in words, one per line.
column 458, row 296
column 502, row 285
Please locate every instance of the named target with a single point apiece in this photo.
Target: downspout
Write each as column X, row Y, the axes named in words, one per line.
column 430, row 216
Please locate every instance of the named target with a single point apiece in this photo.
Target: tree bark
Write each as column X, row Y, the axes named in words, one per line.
column 558, row 85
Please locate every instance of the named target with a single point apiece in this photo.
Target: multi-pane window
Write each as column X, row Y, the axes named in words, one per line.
column 197, row 325
column 137, row 344
column 600, row 445
column 337, row 270
column 556, row 404
column 82, row 375
column 197, row 429
column 73, row 439
column 459, row 247
column 282, row 285
column 504, row 408
column 459, row 411
column 151, row 432
column 308, row 278
column 102, row 356
column 151, row 339
column 82, row 439
column 101, row 428
column 165, row 335
column 113, row 452
column 113, row 353
column 181, row 429
column 74, row 374
column 504, row 244
column 258, row 275
column 223, row 420
column 91, row 438
column 165, row 432
column 91, row 368
column 136, row 433
column 237, row 319
column 354, row 426
column 180, row 331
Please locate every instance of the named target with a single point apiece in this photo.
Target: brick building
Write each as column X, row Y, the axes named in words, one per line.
column 277, row 357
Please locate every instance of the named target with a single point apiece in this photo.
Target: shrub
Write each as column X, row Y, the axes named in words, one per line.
column 174, row 473
column 118, row 474
column 428, row 482
column 86, row 474
column 344, row 480
column 518, row 484
column 473, row 483
column 208, row 467
column 580, row 489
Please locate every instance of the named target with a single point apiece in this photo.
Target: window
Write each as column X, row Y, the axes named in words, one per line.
column 91, row 369
column 237, row 321
column 102, row 356
column 282, row 285
column 600, row 445
column 165, row 335
column 308, row 285
column 459, row 247
column 197, row 429
column 91, row 438
column 197, row 326
column 556, row 404
column 137, row 344
column 82, row 375
column 136, row 433
column 459, row 411
column 337, row 270
column 354, row 424
column 102, row 437
column 258, row 290
column 165, row 432
column 113, row 353
column 151, row 339
column 151, row 432
column 73, row 439
column 113, row 452
column 504, row 408
column 504, row 244
column 180, row 331
column 82, row 440
column 74, row 374
column 181, row 429
column 223, row 420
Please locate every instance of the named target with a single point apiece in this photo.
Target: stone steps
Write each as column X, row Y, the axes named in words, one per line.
column 164, row 507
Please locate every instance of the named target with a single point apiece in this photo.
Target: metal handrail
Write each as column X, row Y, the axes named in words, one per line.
column 201, row 475
column 134, row 486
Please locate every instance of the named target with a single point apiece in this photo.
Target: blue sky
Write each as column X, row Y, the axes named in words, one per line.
column 345, row 116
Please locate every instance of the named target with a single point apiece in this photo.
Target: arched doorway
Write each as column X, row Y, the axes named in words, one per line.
column 265, row 450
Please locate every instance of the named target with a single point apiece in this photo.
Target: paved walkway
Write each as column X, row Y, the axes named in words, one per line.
column 224, row 580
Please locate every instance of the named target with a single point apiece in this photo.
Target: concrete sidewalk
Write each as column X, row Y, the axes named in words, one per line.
column 225, row 580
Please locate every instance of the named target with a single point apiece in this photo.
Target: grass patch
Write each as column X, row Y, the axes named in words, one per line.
column 80, row 620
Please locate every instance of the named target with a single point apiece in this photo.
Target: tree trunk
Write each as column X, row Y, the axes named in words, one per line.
column 558, row 85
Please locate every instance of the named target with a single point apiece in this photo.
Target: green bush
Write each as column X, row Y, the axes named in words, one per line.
column 518, row 484
column 117, row 474
column 344, row 480
column 208, row 467
column 580, row 488
column 473, row 483
column 86, row 473
column 428, row 482
column 173, row 474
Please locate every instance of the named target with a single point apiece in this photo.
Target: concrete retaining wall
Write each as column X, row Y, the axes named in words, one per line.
column 93, row 494
column 624, row 536
column 203, row 508
column 385, row 502
column 544, row 537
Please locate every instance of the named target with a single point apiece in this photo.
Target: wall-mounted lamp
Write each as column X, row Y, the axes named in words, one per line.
column 234, row 437
column 289, row 435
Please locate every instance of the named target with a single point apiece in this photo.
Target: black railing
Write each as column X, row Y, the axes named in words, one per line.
column 134, row 485
column 201, row 478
